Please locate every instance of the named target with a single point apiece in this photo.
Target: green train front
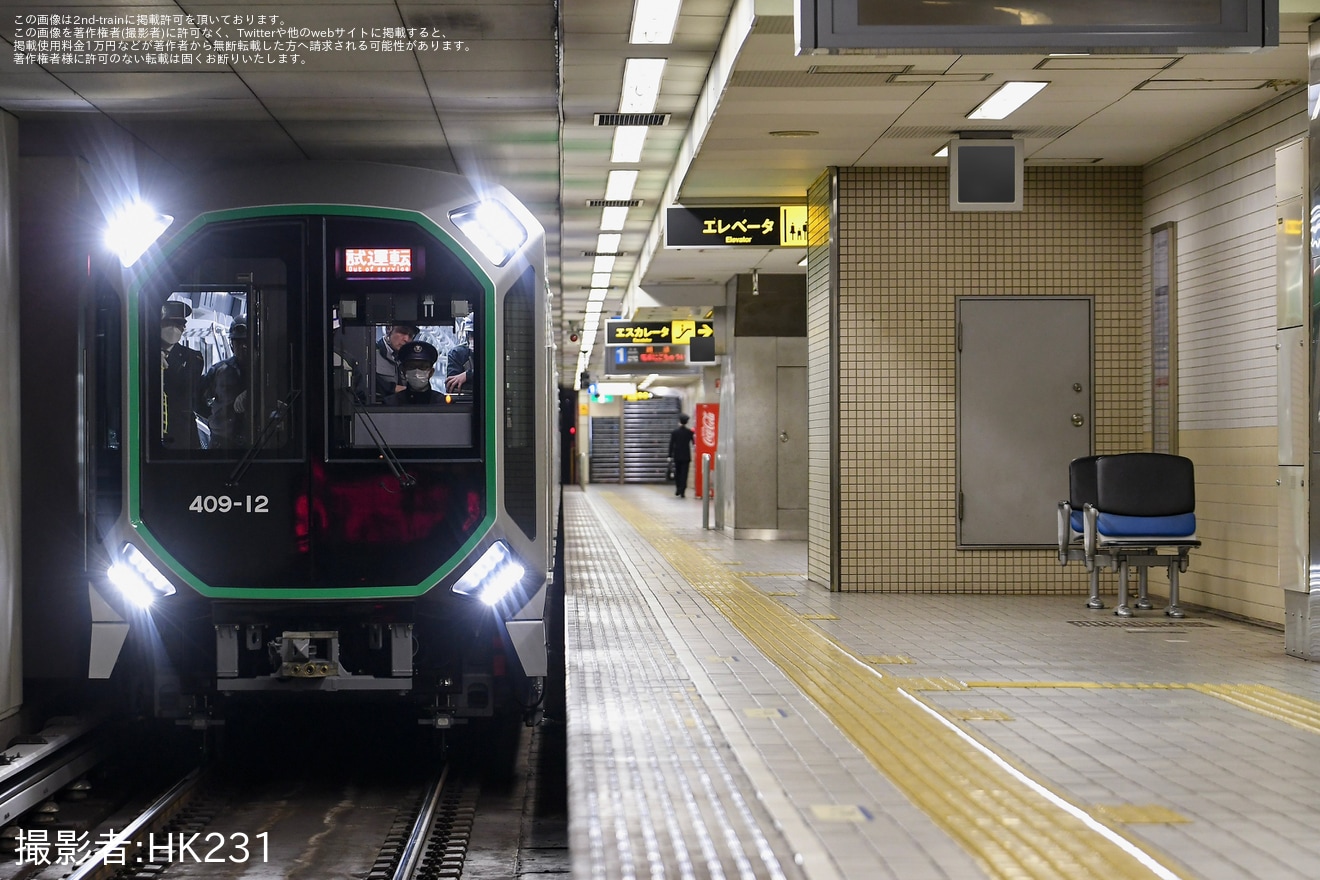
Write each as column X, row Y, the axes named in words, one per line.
column 297, row 526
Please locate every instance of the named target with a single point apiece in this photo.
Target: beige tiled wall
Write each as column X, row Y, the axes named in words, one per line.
column 887, row 314
column 1219, row 191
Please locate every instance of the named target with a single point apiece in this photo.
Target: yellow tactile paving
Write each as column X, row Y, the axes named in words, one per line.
column 1011, row 824
column 1140, row 814
column 1297, row 711
column 1261, row 699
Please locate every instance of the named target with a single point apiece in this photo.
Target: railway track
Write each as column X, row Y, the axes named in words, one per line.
column 381, row 812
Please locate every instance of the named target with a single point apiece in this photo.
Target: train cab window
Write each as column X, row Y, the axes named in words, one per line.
column 404, row 311
column 406, row 387
column 219, row 352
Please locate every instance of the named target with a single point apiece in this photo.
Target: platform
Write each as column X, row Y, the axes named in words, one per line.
column 727, row 718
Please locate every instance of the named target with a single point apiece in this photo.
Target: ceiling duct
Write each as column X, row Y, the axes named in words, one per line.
column 610, row 119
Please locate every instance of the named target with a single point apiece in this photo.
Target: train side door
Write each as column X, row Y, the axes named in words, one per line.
column 1024, row 404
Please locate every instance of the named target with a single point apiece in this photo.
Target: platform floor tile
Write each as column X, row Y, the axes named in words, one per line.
column 729, row 718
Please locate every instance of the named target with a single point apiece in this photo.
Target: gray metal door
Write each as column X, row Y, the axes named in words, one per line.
column 791, row 393
column 1024, row 412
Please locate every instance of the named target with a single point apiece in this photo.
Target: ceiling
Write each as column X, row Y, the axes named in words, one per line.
column 510, row 89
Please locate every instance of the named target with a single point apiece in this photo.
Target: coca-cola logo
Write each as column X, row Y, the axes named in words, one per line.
column 708, row 428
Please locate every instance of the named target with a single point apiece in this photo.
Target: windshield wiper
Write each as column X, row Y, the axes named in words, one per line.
column 267, row 431
column 406, row 480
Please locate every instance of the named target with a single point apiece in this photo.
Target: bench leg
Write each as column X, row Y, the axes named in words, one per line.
column 1123, row 610
column 1094, row 600
column 1173, row 610
column 1143, row 598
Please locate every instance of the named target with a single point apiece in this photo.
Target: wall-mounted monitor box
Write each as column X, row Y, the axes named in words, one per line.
column 985, row 174
column 969, row 26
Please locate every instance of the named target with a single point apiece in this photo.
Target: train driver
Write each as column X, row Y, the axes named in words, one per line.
column 224, row 395
column 418, row 362
column 180, row 377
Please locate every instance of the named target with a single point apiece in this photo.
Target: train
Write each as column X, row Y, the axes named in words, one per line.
column 292, row 493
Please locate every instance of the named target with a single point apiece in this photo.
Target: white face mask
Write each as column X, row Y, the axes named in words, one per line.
column 170, row 335
column 418, row 380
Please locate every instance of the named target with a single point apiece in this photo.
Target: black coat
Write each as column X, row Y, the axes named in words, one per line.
column 408, row 397
column 180, row 381
column 680, row 443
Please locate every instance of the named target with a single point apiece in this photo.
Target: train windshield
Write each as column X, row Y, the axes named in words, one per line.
column 405, row 319
column 222, row 380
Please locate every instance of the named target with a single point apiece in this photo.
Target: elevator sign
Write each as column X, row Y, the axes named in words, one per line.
column 766, row 227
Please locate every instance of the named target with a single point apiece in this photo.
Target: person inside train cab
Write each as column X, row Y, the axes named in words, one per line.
column 459, row 367
column 180, row 378
column 389, row 369
column 418, row 362
column 224, row 395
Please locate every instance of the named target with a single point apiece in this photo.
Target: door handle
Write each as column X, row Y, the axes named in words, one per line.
column 783, row 436
column 1078, row 420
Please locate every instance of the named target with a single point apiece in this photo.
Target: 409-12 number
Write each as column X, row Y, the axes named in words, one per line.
column 225, row 504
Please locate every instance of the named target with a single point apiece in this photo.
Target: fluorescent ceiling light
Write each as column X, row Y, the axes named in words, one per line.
column 641, row 84
column 628, row 143
column 600, row 279
column 803, row 261
column 1009, row 97
column 646, row 383
column 591, row 323
column 602, row 264
column 608, row 243
column 619, row 184
column 597, row 294
column 942, row 152
column 653, row 21
column 594, row 308
column 613, row 218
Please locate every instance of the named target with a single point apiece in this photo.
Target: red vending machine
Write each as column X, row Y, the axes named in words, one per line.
column 708, row 434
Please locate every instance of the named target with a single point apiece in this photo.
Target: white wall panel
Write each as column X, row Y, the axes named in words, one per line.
column 1220, row 192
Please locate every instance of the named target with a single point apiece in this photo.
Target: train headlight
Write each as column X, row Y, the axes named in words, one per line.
column 494, row 575
column 133, row 229
column 492, row 228
column 137, row 580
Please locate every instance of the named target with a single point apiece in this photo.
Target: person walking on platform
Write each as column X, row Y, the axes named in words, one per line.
column 680, row 452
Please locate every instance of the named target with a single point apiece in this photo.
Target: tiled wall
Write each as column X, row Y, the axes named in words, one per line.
column 886, row 312
column 1220, row 193
column 821, row 541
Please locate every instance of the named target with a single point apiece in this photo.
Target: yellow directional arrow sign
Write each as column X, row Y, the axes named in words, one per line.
column 680, row 332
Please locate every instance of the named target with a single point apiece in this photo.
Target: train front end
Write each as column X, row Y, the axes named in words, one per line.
column 321, row 448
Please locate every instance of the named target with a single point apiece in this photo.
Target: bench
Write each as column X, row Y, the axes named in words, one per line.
column 1140, row 513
